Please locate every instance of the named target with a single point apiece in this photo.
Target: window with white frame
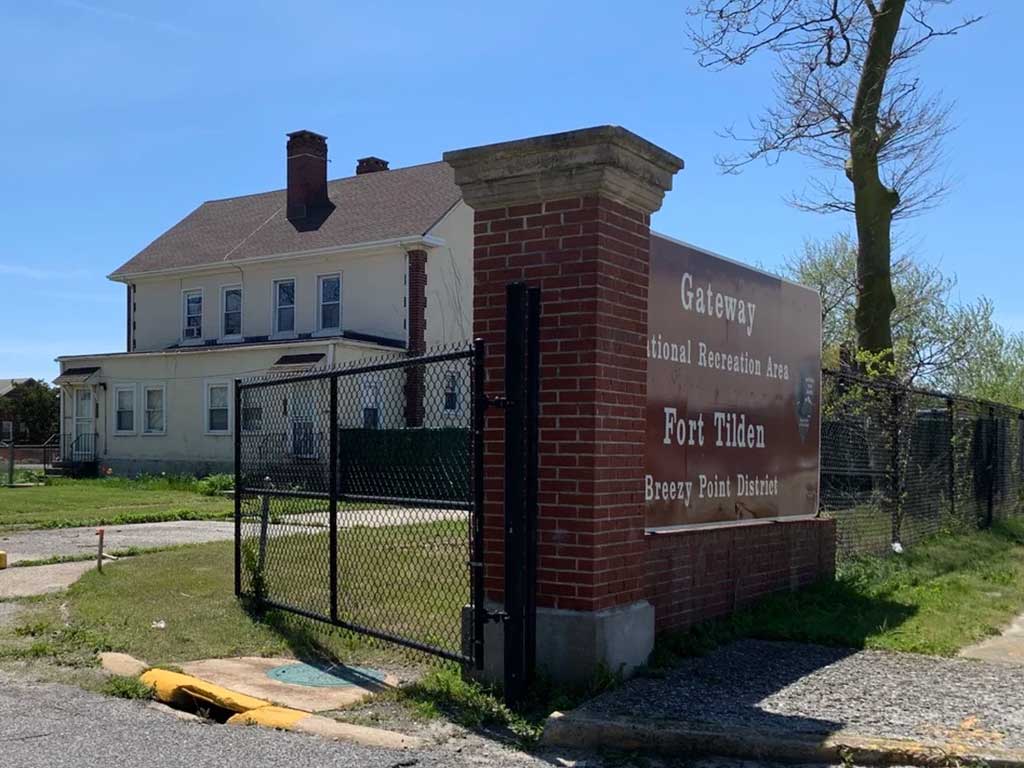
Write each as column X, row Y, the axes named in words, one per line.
column 192, row 314
column 218, row 408
column 154, row 402
column 231, row 302
column 451, row 392
column 329, row 294
column 124, row 409
column 284, row 306
column 371, row 403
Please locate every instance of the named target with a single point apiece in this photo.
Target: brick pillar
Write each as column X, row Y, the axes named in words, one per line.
column 570, row 213
column 417, row 320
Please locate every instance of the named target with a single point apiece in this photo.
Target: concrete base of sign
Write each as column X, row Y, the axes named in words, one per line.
column 574, row 646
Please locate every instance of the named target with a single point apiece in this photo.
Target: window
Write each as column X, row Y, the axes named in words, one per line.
column 284, row 306
column 302, row 441
column 218, row 409
column 451, row 392
column 6, row 431
column 124, row 409
column 252, row 418
column 329, row 291
column 371, row 404
column 231, row 301
column 153, row 401
column 192, row 328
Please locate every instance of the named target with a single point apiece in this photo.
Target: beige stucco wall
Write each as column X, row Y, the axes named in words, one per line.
column 373, row 297
column 186, row 444
column 450, row 279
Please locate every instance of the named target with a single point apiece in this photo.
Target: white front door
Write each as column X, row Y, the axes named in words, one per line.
column 84, row 447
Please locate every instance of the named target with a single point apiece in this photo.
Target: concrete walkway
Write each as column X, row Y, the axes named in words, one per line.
column 42, row 544
column 749, row 695
column 40, row 579
column 1007, row 648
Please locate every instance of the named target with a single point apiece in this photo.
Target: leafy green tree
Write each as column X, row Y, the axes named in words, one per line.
column 995, row 368
column 847, row 97
column 934, row 334
column 34, row 405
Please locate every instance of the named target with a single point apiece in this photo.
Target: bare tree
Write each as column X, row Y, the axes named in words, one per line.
column 847, row 98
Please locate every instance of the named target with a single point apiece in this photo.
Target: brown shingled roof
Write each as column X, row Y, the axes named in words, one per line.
column 405, row 202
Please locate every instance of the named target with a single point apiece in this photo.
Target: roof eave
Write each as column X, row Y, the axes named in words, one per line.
column 408, row 242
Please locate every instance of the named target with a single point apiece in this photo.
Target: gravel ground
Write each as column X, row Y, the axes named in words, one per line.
column 41, row 544
column 808, row 689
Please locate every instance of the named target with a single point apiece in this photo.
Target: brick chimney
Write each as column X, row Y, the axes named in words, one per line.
column 370, row 165
column 307, row 174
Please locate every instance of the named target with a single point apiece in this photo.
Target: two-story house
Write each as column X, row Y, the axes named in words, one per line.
column 317, row 274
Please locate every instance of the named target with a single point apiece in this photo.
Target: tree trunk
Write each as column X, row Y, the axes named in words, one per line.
column 873, row 201
column 875, row 299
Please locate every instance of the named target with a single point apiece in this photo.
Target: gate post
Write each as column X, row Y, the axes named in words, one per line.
column 332, row 484
column 570, row 214
column 238, row 487
column 479, row 400
column 522, row 381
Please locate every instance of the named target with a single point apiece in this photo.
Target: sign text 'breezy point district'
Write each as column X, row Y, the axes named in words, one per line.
column 734, row 363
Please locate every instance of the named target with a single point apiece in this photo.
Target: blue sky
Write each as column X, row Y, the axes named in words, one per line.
column 120, row 117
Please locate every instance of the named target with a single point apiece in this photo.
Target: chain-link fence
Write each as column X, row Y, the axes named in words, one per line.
column 357, row 500
column 900, row 464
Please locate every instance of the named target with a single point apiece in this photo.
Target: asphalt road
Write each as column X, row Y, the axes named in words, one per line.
column 45, row 725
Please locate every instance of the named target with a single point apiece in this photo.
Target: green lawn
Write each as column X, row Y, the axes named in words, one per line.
column 111, row 501
column 936, row 598
column 385, row 582
column 189, row 588
column 408, row 580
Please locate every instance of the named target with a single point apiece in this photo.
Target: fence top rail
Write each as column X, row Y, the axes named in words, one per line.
column 896, row 387
column 460, row 351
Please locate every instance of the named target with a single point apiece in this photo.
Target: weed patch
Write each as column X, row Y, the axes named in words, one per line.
column 936, row 598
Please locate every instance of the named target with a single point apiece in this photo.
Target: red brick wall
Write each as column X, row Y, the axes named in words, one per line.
column 417, row 326
column 590, row 258
column 697, row 574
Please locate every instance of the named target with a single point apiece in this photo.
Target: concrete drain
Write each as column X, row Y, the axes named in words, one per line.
column 327, row 677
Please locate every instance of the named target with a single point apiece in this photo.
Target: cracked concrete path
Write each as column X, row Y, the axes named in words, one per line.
column 39, row 580
column 51, row 542
column 1007, row 648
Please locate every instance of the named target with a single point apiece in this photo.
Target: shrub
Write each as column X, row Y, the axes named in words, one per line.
column 215, row 484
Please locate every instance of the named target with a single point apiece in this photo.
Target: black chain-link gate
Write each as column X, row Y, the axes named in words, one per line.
column 359, row 495
column 356, row 501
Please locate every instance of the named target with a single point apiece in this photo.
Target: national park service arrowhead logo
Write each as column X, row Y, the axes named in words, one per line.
column 806, row 394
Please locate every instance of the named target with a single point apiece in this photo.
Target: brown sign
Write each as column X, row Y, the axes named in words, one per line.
column 733, row 391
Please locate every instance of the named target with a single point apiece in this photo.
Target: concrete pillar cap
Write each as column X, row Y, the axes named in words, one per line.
column 606, row 161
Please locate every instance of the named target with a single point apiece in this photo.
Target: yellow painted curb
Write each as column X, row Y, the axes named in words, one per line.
column 172, row 687
column 176, row 688
column 269, row 717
